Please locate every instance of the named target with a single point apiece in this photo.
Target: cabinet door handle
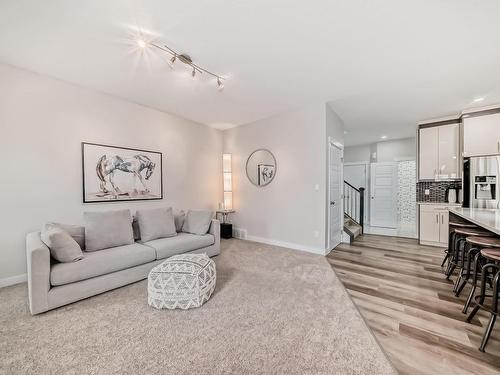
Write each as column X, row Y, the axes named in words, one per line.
column 442, row 219
column 437, row 218
column 498, row 146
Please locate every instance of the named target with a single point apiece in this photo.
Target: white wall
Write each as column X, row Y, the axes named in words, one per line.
column 357, row 153
column 392, row 150
column 288, row 211
column 43, row 121
column 399, row 149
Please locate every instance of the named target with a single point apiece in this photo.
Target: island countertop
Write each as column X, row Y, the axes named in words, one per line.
column 488, row 219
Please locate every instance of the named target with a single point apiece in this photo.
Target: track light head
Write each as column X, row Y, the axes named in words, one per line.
column 172, row 61
column 220, row 85
column 141, row 43
column 193, row 73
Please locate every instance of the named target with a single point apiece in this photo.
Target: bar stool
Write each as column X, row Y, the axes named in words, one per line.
column 490, row 273
column 451, row 236
column 464, row 251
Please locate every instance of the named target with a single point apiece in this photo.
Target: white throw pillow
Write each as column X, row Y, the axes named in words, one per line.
column 77, row 232
column 156, row 223
column 197, row 222
column 62, row 246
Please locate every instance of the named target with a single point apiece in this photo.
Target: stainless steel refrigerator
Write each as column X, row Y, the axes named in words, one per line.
column 481, row 182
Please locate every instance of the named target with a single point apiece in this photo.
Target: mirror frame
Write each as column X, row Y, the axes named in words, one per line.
column 275, row 167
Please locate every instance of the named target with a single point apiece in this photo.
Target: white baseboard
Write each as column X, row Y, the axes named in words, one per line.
column 18, row 279
column 289, row 245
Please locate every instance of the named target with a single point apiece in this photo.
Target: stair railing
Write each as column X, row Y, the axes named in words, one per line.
column 354, row 203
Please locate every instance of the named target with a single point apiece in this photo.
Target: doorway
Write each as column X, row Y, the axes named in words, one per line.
column 335, row 187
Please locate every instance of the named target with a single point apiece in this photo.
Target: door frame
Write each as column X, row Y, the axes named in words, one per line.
column 367, row 187
column 340, row 147
column 394, row 185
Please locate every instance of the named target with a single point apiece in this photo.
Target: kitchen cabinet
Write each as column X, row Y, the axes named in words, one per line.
column 439, row 152
column 433, row 224
column 482, row 135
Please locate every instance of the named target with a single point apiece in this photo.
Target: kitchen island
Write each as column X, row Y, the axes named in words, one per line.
column 485, row 218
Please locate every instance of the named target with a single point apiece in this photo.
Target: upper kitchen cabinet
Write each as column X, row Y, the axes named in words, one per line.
column 438, row 152
column 481, row 135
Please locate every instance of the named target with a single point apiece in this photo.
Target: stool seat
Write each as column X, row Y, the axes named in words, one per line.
column 462, row 225
column 473, row 232
column 484, row 241
column 493, row 254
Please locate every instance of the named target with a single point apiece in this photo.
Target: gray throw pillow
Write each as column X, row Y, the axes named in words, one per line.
column 179, row 220
column 62, row 246
column 197, row 222
column 156, row 223
column 107, row 229
column 77, row 232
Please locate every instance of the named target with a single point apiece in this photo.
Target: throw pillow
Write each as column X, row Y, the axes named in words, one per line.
column 62, row 246
column 156, row 223
column 77, row 232
column 197, row 222
column 107, row 229
column 179, row 220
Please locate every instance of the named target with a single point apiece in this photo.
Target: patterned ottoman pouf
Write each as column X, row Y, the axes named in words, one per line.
column 182, row 282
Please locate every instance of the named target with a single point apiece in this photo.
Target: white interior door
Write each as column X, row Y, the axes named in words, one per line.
column 357, row 176
column 383, row 194
column 336, row 183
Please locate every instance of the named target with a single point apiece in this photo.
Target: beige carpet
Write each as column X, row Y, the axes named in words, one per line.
column 274, row 311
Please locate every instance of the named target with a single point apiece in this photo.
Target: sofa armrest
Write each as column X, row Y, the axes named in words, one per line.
column 38, row 267
column 215, row 231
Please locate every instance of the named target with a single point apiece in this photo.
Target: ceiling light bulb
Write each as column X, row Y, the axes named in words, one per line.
column 193, row 73
column 141, row 43
column 172, row 61
column 220, row 85
column 477, row 100
column 383, row 137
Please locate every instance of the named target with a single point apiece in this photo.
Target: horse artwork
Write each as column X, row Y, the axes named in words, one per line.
column 113, row 173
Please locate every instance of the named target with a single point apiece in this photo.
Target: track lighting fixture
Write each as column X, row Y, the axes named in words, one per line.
column 172, row 61
column 220, row 85
column 185, row 59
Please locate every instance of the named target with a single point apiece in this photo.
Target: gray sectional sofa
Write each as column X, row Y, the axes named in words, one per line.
column 53, row 284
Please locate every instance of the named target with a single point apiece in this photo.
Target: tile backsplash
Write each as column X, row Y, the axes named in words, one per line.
column 437, row 190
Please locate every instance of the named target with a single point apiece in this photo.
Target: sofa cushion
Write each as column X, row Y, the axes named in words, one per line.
column 62, row 246
column 100, row 263
column 179, row 220
column 156, row 223
column 182, row 243
column 197, row 221
column 107, row 229
column 77, row 232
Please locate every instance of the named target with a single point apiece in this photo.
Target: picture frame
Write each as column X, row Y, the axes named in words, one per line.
column 117, row 174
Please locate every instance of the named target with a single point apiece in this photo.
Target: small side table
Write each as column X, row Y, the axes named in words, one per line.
column 226, row 229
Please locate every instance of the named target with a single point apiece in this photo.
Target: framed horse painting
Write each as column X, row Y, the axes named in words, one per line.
column 112, row 173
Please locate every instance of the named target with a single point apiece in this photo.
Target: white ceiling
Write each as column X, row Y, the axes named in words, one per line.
column 382, row 65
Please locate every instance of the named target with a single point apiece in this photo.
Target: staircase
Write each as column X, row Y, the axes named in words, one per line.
column 354, row 211
column 351, row 228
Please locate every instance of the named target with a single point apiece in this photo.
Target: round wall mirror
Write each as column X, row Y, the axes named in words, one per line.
column 261, row 167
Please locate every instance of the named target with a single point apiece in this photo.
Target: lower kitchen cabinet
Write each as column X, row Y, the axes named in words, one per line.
column 433, row 225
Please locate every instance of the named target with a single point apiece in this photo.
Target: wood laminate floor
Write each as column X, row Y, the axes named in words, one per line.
column 401, row 291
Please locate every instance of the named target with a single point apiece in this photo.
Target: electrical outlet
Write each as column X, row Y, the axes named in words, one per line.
column 427, row 192
column 316, row 234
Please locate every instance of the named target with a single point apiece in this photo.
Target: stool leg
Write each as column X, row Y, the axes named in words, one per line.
column 452, row 263
column 493, row 317
column 448, row 250
column 474, row 283
column 458, row 281
column 470, row 253
column 451, row 251
column 482, row 295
